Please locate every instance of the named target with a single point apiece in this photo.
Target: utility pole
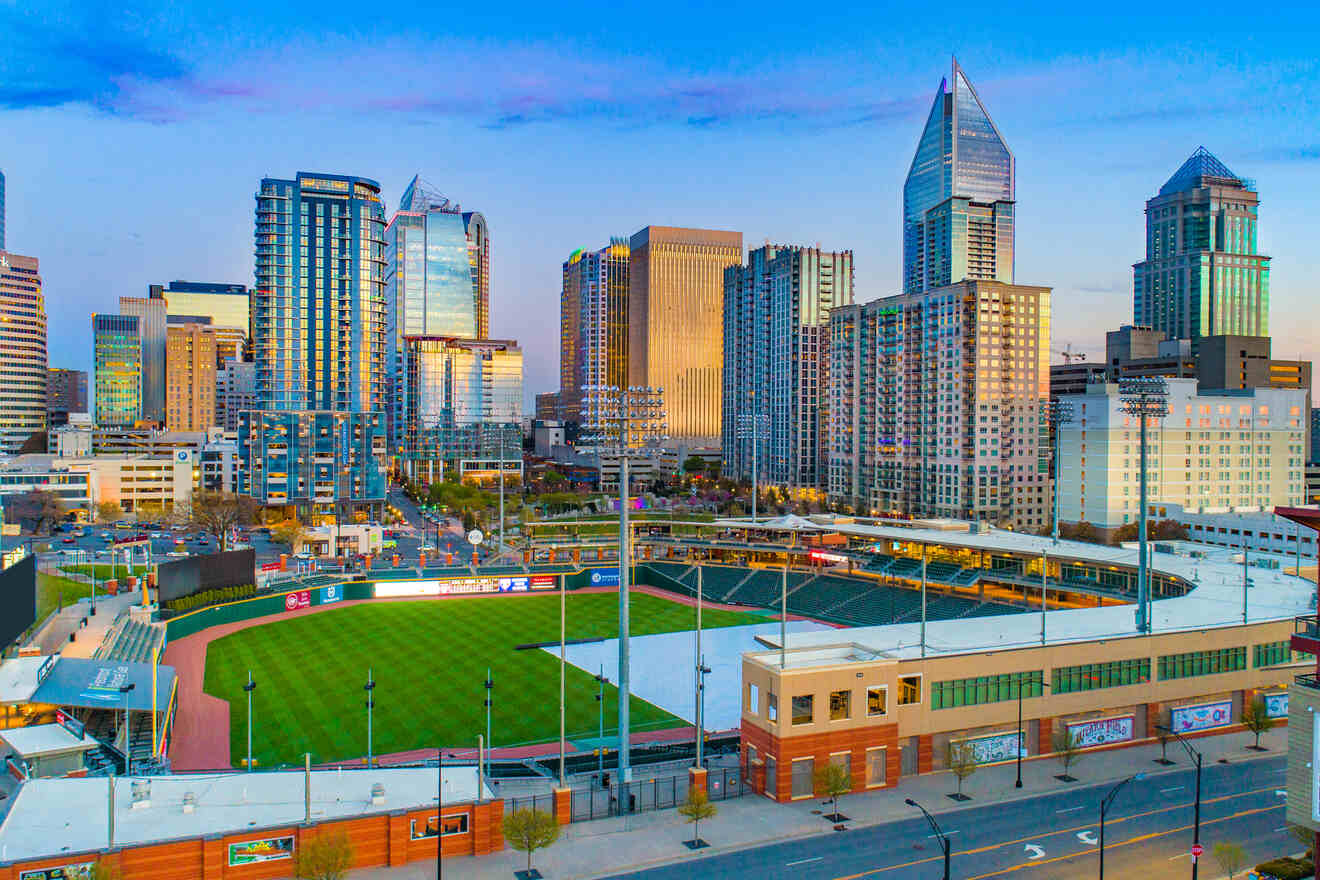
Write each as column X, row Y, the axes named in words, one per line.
column 1146, row 398
column 923, row 600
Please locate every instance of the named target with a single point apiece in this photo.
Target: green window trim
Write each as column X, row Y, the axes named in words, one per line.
column 986, row 689
column 1276, row 654
column 1097, row 676
column 1197, row 663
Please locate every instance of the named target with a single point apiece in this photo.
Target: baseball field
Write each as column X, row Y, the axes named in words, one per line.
column 429, row 661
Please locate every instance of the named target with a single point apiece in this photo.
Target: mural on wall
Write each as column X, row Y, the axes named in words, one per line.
column 1101, row 731
column 996, row 747
column 1203, row 717
column 268, row 849
column 1276, row 705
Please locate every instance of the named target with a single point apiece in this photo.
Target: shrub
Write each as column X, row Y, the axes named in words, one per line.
column 1286, row 868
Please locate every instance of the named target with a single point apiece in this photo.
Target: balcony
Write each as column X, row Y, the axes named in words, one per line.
column 1306, row 635
column 1309, row 680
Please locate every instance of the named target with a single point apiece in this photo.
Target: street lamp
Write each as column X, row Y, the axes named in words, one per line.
column 1104, row 808
column 1196, row 821
column 371, row 704
column 935, row 826
column 125, row 689
column 1042, row 683
column 1145, row 397
column 1059, row 411
column 249, row 688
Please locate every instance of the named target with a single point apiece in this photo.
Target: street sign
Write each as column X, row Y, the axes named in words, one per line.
column 1197, row 850
column 475, row 537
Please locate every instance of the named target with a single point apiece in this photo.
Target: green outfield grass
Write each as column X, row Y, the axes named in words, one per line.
column 429, row 660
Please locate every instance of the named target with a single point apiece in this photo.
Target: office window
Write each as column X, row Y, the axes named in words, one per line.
column 804, row 777
column 1272, row 654
column 771, row 706
column 803, row 708
column 450, row 826
column 753, row 698
column 1095, row 676
column 877, row 701
column 985, row 689
column 909, row 690
column 1196, row 663
column 840, row 705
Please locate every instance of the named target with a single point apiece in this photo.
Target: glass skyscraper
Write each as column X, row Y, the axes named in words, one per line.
column 958, row 198
column 1202, row 275
column 437, row 281
column 117, row 370
column 150, row 312
column 593, row 323
column 22, row 350
column 2, row 210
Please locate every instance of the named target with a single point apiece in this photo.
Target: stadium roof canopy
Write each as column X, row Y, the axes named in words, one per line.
column 785, row 523
column 95, row 684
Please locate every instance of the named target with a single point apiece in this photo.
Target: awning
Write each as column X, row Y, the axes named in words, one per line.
column 95, row 684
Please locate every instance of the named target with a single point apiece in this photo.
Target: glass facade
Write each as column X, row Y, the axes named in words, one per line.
column 117, row 377
column 1095, row 676
column 593, row 323
column 958, row 221
column 150, row 312
column 318, row 462
column 1196, row 663
column 985, row 689
column 22, row 351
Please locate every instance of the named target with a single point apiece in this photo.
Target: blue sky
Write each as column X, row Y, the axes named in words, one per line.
column 133, row 142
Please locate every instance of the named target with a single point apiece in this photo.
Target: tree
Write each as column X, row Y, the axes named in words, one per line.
column 694, row 809
column 327, row 856
column 289, row 532
column 1256, row 719
column 1231, row 857
column 218, row 513
column 693, row 464
column 1082, row 531
column 40, row 507
column 104, row 871
column 108, row 511
column 553, row 478
column 530, row 830
column 833, row 780
column 962, row 764
column 1068, row 749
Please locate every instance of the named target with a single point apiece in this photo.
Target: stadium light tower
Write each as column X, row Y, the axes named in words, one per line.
column 753, row 426
column 628, row 422
column 1146, row 397
column 249, row 688
column 1059, row 411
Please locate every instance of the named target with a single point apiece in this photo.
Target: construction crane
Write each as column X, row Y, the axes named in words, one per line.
column 1069, row 355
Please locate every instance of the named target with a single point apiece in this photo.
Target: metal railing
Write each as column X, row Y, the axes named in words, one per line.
column 1307, row 625
column 1309, row 679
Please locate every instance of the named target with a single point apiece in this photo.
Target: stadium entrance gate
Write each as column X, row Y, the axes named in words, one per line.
column 660, row 793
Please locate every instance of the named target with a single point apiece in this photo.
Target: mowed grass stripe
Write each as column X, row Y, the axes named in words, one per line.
column 429, row 661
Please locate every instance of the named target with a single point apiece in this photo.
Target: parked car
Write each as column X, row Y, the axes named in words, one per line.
column 68, row 541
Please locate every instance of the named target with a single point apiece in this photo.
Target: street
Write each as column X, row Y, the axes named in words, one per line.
column 1148, row 834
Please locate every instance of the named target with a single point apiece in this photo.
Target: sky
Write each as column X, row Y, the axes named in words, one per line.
column 133, row 141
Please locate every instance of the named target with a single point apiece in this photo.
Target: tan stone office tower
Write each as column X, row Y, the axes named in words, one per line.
column 675, row 323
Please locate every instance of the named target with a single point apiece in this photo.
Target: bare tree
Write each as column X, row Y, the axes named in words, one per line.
column 962, row 764
column 218, row 513
column 41, row 507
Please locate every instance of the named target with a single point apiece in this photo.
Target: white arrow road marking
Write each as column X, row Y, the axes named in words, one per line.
column 1087, row 837
column 1033, row 851
column 1281, row 793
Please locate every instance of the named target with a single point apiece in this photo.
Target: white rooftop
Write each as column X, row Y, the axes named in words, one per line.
column 45, row 739
column 1217, row 600
column 54, row 816
column 18, row 678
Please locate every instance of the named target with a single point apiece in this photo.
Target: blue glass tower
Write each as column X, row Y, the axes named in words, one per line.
column 958, row 197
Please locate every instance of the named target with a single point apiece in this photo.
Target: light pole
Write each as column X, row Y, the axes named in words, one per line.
column 1104, row 808
column 439, row 806
column 600, row 711
column 1042, row 683
column 249, row 688
column 490, row 692
column 935, row 826
column 371, row 704
column 1196, row 814
column 563, row 616
column 701, row 671
column 1146, row 398
column 126, row 689
column 752, row 426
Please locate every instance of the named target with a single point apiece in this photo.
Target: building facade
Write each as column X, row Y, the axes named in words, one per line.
column 1214, row 450
column 437, row 282
column 321, row 464
column 235, row 391
column 937, row 404
column 190, row 382
column 593, row 323
column 2, row 210
column 150, row 312
column 66, row 392
column 1202, row 275
column 22, row 350
column 675, row 323
column 958, row 199
column 464, row 407
column 117, row 370
column 776, row 363
column 227, row 306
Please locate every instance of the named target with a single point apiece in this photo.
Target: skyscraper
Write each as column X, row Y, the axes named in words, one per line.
column 235, row 391
column 776, row 362
column 117, row 370
column 593, row 323
column 22, row 350
column 190, row 383
column 1202, row 275
column 437, row 281
column 66, row 392
column 226, row 305
column 2, row 210
column 675, row 323
column 150, row 312
column 958, row 198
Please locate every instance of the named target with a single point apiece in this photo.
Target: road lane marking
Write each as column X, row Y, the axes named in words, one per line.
column 1088, row 838
column 1175, row 788
column 1071, row 809
column 1032, row 851
column 946, row 834
column 804, row 861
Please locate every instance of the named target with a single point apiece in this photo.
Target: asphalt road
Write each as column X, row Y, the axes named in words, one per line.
column 1148, row 834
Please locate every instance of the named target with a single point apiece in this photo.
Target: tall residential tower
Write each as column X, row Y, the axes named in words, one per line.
column 22, row 350
column 593, row 324
column 959, row 195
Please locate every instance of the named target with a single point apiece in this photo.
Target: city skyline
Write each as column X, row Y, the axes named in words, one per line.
column 548, row 149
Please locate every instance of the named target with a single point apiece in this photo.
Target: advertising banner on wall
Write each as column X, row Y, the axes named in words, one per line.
column 996, row 747
column 1276, row 705
column 604, row 577
column 1101, row 731
column 300, row 599
column 331, row 594
column 1203, row 717
column 543, row 582
column 268, row 849
column 513, row 584
column 76, row 871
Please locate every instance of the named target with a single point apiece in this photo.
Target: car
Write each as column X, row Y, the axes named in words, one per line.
column 391, row 544
column 157, row 536
column 105, row 536
column 68, row 541
column 203, row 540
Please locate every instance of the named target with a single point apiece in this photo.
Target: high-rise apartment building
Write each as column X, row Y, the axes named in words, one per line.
column 66, row 392
column 437, row 282
column 22, row 351
column 464, row 406
column 235, row 391
column 593, row 323
column 2, row 210
column 189, row 377
column 1202, row 275
column 1214, row 450
column 117, row 370
column 776, row 363
column 226, row 307
column 937, row 404
column 958, row 199
column 150, row 312
column 676, row 325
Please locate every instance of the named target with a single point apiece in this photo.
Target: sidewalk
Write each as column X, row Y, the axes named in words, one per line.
column 609, row 846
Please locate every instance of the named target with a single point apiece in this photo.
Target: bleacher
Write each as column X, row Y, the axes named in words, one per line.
column 765, row 587
column 717, row 581
column 131, row 641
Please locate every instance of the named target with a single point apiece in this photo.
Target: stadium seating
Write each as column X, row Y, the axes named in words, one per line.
column 765, row 587
column 717, row 581
column 131, row 641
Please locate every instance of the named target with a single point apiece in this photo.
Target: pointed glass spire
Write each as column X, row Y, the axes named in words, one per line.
column 421, row 196
column 1201, row 164
column 982, row 162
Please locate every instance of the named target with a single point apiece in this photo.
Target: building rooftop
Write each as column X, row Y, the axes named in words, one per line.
column 45, row 739
column 18, row 678
column 1201, row 164
column 54, row 816
column 1216, row 601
